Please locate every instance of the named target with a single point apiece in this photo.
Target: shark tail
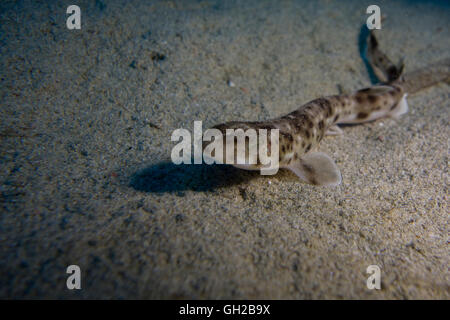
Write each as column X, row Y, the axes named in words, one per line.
column 389, row 73
column 425, row 77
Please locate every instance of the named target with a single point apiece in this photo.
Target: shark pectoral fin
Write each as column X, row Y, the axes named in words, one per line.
column 400, row 108
column 317, row 168
column 334, row 131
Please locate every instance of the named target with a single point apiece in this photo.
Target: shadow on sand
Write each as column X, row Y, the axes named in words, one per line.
column 167, row 177
column 362, row 45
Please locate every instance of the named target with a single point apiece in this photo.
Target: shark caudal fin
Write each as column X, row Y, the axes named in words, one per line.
column 385, row 70
column 411, row 82
column 425, row 77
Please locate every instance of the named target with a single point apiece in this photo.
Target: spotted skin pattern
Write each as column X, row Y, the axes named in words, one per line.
column 302, row 130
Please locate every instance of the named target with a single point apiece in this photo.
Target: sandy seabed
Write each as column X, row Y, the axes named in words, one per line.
column 86, row 177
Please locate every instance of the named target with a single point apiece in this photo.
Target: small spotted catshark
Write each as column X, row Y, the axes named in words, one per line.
column 301, row 130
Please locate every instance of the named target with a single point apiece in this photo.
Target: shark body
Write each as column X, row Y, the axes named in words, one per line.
column 302, row 130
